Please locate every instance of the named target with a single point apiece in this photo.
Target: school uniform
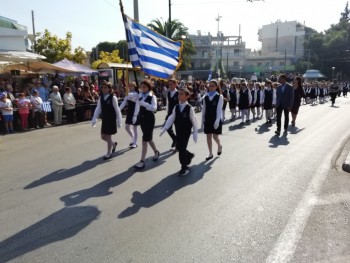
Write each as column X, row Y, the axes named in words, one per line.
column 226, row 95
column 268, row 100
column 233, row 102
column 212, row 113
column 184, row 119
column 258, row 102
column 148, row 105
column 172, row 101
column 131, row 110
column 244, row 102
column 107, row 107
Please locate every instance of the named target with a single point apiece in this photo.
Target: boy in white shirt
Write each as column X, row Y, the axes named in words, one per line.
column 7, row 112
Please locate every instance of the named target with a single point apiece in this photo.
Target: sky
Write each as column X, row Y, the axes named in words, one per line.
column 95, row 21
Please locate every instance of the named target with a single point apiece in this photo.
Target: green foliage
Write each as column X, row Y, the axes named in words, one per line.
column 108, row 57
column 56, row 49
column 110, row 47
column 330, row 48
column 177, row 32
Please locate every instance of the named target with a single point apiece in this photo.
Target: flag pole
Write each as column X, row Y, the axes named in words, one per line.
column 124, row 19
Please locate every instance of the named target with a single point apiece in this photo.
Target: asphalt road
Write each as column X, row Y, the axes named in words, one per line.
column 265, row 199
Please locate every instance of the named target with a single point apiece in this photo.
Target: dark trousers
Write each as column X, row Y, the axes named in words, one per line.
column 181, row 146
column 279, row 117
column 333, row 96
column 70, row 115
column 171, row 131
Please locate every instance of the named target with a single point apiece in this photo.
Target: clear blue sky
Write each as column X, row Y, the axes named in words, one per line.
column 94, row 21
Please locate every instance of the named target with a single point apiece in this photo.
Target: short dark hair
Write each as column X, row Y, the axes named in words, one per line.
column 148, row 83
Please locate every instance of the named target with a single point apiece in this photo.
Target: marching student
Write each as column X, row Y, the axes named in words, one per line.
column 226, row 95
column 184, row 118
column 148, row 105
column 233, row 101
column 244, row 102
column 172, row 100
column 212, row 117
column 254, row 97
column 131, row 113
column 107, row 106
column 259, row 91
column 268, row 100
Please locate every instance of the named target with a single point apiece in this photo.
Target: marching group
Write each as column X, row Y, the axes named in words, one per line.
column 251, row 98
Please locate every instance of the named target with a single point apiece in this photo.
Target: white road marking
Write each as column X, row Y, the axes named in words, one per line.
column 287, row 242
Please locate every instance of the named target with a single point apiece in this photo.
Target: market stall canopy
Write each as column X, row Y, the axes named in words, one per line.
column 38, row 67
column 313, row 74
column 105, row 65
column 19, row 56
column 78, row 68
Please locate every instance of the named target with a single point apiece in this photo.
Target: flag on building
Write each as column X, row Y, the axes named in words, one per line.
column 155, row 54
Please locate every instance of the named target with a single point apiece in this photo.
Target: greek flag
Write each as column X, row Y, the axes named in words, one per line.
column 155, row 54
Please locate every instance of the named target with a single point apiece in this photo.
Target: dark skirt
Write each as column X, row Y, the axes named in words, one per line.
column 109, row 127
column 209, row 128
column 147, row 127
column 295, row 108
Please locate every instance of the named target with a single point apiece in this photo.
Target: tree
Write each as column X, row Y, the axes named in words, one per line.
column 110, row 47
column 56, row 49
column 331, row 48
column 107, row 57
column 177, row 32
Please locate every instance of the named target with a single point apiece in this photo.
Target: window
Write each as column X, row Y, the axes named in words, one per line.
column 281, row 63
column 235, row 63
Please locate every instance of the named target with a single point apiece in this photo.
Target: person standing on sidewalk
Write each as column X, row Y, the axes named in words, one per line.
column 109, row 109
column 284, row 102
column 57, row 105
column 333, row 91
column 184, row 118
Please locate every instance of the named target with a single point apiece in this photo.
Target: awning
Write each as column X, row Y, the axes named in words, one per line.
column 38, row 67
column 78, row 68
column 105, row 65
column 313, row 74
column 19, row 56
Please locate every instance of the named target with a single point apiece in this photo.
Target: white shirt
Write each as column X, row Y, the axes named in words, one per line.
column 218, row 107
column 115, row 106
column 6, row 104
column 172, row 117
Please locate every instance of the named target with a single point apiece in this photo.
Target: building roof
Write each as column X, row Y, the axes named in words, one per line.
column 9, row 23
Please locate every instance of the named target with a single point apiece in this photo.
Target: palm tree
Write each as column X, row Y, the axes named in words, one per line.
column 177, row 32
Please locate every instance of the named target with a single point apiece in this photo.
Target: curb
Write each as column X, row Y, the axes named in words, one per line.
column 346, row 164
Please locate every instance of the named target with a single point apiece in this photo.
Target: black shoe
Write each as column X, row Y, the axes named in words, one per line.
column 220, row 151
column 173, row 145
column 209, row 157
column 114, row 146
column 107, row 157
column 183, row 171
column 156, row 156
column 278, row 132
column 191, row 155
column 285, row 131
column 132, row 145
column 140, row 167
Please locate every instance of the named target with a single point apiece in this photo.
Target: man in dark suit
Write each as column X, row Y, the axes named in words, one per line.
column 285, row 98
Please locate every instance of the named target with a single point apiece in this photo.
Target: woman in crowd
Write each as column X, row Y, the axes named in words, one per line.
column 88, row 101
column 69, row 104
column 298, row 94
column 212, row 117
column 148, row 105
column 108, row 107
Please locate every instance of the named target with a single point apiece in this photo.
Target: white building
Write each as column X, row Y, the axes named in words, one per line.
column 14, row 42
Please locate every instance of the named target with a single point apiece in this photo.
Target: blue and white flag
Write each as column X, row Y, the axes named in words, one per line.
column 155, row 54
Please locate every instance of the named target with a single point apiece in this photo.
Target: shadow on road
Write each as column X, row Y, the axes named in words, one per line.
column 295, row 130
column 263, row 128
column 62, row 174
column 236, row 127
column 165, row 188
column 61, row 225
column 276, row 141
column 101, row 189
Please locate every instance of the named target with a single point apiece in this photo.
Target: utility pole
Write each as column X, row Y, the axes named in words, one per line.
column 169, row 21
column 34, row 36
column 136, row 10
column 285, row 60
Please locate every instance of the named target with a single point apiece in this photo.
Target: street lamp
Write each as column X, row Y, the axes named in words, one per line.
column 240, row 71
column 333, row 68
column 270, row 72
